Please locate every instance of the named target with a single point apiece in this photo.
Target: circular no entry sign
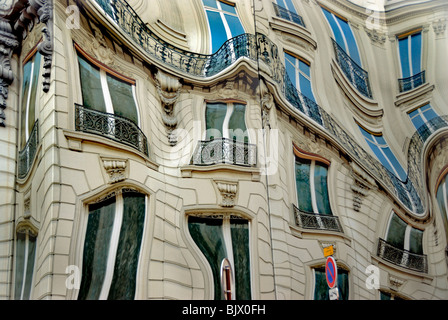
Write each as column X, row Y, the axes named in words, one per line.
column 331, row 272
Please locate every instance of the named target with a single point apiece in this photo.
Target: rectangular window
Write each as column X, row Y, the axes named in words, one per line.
column 25, row 257
column 312, row 186
column 226, row 120
column 343, row 35
column 410, row 50
column 422, row 115
column 299, row 72
column 403, row 236
column 112, row 247
column 287, row 4
column 321, row 289
column 105, row 92
column 223, row 22
column 223, row 239
column 442, row 200
column 382, row 151
column 30, row 82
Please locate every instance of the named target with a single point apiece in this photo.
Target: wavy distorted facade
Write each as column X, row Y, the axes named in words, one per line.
column 214, row 149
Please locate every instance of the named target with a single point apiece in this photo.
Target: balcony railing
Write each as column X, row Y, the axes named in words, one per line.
column 224, row 150
column 358, row 77
column 307, row 220
column 288, row 15
column 401, row 257
column 406, row 84
column 27, row 154
column 110, row 126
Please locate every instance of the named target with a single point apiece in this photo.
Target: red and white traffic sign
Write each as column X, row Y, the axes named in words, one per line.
column 331, row 272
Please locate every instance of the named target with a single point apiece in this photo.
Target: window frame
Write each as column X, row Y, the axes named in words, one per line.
column 115, row 235
column 105, row 71
column 299, row 72
column 28, row 232
column 30, row 58
column 287, row 5
column 421, row 114
column 224, row 21
column 225, row 218
column 355, row 56
column 299, row 153
column 225, row 131
column 371, row 140
column 408, row 35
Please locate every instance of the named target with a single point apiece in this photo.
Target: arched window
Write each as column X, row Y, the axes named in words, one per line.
column 112, row 246
column 224, row 241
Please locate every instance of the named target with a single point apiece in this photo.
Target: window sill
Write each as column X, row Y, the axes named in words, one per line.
column 191, row 171
column 303, row 233
column 293, row 29
column 77, row 138
column 404, row 99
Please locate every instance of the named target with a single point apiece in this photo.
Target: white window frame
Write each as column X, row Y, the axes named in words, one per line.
column 224, row 21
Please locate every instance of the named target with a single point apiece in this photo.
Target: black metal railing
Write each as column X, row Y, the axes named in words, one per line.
column 224, row 150
column 307, row 220
column 409, row 83
column 401, row 257
column 288, row 15
column 27, row 154
column 357, row 76
column 110, row 126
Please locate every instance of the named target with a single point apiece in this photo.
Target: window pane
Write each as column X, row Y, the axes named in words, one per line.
column 208, row 236
column 321, row 189
column 442, row 201
column 210, row 3
column 321, row 289
column 335, row 28
column 350, row 39
column 236, row 28
column 237, row 124
column 240, row 246
column 20, row 265
column 96, row 248
column 305, row 87
column 290, row 6
column 403, row 45
column 396, row 232
column 92, row 92
column 217, row 29
column 122, row 99
column 415, row 241
column 25, row 93
column 228, row 8
column 214, row 119
column 290, row 64
column 29, row 267
column 303, row 184
column 416, row 49
column 33, row 93
column 128, row 251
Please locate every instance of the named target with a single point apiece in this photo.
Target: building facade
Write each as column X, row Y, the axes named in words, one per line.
column 214, row 149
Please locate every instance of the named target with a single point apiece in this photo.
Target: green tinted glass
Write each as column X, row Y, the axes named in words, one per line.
column 92, row 92
column 122, row 99
column 303, row 184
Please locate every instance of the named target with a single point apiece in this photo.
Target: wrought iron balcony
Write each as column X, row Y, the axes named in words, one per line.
column 288, row 15
column 401, row 257
column 224, row 150
column 406, row 84
column 195, row 64
column 307, row 220
column 27, row 154
column 357, row 76
column 110, row 126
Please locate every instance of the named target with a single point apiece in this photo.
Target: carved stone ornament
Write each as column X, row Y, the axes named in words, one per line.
column 116, row 169
column 395, row 282
column 168, row 88
column 439, row 27
column 8, row 42
column 361, row 187
column 267, row 104
column 14, row 26
column 228, row 192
